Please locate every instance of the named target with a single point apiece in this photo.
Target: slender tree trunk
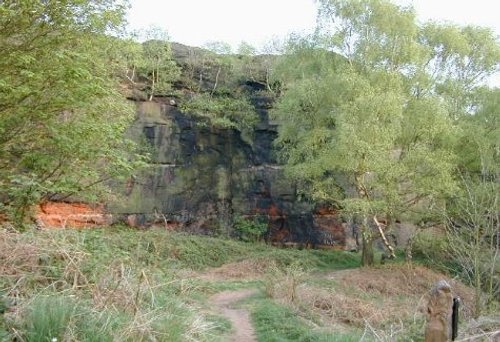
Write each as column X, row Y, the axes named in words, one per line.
column 367, row 255
column 478, row 271
column 267, row 79
column 409, row 250
column 152, row 87
column 131, row 77
column 494, row 245
column 216, row 81
column 200, row 79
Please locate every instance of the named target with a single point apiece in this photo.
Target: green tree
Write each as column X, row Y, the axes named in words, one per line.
column 223, row 112
column 246, row 49
column 249, row 65
column 157, row 64
column 219, row 59
column 222, row 104
column 473, row 235
column 61, row 117
column 131, row 54
column 472, row 215
column 368, row 121
column 479, row 142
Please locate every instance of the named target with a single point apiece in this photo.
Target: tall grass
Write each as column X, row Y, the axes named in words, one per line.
column 48, row 319
column 278, row 323
column 120, row 284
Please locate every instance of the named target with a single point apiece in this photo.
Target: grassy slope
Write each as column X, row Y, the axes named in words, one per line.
column 123, row 284
column 120, row 284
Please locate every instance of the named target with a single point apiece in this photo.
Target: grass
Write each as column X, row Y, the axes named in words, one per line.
column 120, row 284
column 128, row 285
column 177, row 250
column 279, row 323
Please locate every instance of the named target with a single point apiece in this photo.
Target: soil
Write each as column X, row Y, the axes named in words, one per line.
column 240, row 318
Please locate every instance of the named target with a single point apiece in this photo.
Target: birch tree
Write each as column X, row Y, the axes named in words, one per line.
column 368, row 117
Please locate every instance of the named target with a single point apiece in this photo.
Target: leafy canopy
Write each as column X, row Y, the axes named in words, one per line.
column 62, row 117
column 371, row 103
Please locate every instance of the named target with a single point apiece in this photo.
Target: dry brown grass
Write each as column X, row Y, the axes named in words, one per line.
column 17, row 256
column 154, row 305
column 241, row 270
column 338, row 307
column 378, row 296
column 282, row 282
column 26, row 263
column 116, row 289
column 394, row 280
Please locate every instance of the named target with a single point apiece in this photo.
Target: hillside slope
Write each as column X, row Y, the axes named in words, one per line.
column 122, row 284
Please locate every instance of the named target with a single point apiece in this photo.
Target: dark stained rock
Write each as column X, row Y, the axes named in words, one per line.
column 200, row 177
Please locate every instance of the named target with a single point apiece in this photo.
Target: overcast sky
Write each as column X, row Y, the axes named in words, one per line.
column 195, row 22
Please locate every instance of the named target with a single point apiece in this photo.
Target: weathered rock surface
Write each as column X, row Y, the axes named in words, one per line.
column 74, row 215
column 201, row 177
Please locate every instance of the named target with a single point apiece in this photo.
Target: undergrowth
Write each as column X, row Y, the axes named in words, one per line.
column 123, row 284
column 279, row 323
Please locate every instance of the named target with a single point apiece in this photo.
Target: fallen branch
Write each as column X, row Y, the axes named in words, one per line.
column 392, row 255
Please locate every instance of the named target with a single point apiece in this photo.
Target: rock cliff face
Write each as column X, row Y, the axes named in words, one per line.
column 201, row 178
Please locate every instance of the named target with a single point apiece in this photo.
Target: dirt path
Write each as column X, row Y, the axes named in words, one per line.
column 240, row 318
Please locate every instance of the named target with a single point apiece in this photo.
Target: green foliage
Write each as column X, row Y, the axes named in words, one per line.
column 472, row 214
column 479, row 141
column 353, row 117
column 62, row 118
column 458, row 59
column 432, row 247
column 59, row 317
column 246, row 49
column 473, row 237
column 220, row 97
column 218, row 47
column 148, row 66
column 369, row 113
column 223, row 111
column 158, row 66
column 215, row 70
column 250, row 230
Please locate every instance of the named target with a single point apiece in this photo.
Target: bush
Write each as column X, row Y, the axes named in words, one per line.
column 250, row 230
column 282, row 282
column 430, row 245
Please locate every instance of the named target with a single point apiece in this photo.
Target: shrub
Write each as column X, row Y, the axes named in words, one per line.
column 282, row 282
column 430, row 245
column 250, row 230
